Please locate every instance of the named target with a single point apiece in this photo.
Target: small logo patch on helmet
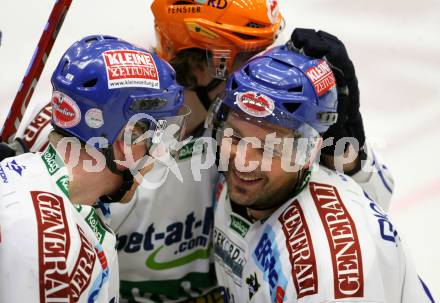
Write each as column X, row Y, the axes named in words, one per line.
column 130, row 68
column 94, row 118
column 321, row 77
column 196, row 28
column 65, row 113
column 255, row 104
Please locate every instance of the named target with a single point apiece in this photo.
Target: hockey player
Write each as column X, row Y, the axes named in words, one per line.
column 206, row 42
column 165, row 255
column 54, row 244
column 296, row 232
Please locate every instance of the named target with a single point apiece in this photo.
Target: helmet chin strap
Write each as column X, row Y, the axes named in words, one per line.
column 203, row 92
column 127, row 177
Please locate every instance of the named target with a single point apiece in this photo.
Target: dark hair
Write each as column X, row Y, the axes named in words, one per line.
column 184, row 63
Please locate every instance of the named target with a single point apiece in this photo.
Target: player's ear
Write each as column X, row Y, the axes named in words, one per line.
column 118, row 151
column 125, row 154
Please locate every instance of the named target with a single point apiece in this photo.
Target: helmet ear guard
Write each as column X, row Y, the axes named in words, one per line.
column 221, row 61
column 312, row 153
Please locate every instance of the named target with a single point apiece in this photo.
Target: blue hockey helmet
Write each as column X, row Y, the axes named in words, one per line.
column 280, row 88
column 283, row 88
column 102, row 81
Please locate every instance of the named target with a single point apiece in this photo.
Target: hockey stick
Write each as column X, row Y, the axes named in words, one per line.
column 34, row 70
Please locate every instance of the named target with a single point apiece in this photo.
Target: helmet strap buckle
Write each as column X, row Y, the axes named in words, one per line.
column 220, row 60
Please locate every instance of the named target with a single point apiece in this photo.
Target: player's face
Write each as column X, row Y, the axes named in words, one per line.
column 256, row 189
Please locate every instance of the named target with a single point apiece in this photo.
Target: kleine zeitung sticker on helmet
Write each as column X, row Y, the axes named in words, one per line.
column 94, row 118
column 321, row 77
column 255, row 104
column 130, row 68
column 65, row 111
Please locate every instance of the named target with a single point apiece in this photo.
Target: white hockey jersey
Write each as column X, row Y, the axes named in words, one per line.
column 50, row 249
column 330, row 243
column 165, row 235
column 375, row 179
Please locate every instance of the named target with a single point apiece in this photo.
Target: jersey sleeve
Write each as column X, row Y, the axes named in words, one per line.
column 414, row 289
column 375, row 178
column 113, row 296
column 19, row 263
column 36, row 134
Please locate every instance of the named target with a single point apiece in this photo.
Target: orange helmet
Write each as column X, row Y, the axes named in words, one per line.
column 222, row 27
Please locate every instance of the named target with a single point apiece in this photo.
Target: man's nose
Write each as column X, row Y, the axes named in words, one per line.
column 245, row 153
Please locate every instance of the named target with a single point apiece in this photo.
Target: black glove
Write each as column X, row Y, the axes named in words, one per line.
column 17, row 147
column 324, row 45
